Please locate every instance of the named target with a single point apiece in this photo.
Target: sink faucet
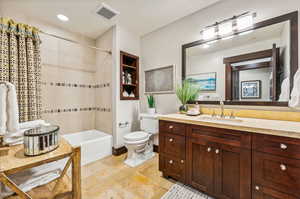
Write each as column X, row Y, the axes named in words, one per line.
column 222, row 109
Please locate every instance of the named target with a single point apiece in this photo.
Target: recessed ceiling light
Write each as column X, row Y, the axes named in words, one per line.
column 62, row 17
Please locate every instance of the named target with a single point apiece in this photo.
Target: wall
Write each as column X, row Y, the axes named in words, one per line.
column 163, row 47
column 103, row 79
column 125, row 110
column 68, row 76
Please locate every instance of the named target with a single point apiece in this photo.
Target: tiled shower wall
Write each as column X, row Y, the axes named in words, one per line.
column 68, row 91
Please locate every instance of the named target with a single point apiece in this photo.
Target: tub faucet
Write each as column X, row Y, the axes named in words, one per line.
column 222, row 115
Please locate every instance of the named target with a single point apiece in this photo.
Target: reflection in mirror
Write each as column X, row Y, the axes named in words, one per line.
column 251, row 66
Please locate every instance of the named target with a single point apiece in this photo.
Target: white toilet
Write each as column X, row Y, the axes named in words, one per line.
column 140, row 143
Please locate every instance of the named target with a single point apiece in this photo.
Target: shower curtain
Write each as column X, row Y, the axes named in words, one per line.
column 20, row 64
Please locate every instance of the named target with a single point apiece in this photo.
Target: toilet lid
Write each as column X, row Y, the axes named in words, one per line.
column 135, row 136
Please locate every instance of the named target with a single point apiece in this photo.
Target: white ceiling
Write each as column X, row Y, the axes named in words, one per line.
column 139, row 16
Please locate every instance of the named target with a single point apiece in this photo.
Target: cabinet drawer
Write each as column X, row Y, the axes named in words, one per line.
column 172, row 145
column 221, row 136
column 278, row 173
column 287, row 147
column 172, row 167
column 171, row 127
column 267, row 193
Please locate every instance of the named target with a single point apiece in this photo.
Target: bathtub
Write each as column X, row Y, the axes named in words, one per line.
column 94, row 144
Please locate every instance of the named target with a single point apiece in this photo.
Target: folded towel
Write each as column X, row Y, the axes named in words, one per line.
column 3, row 118
column 12, row 109
column 33, row 124
column 34, row 177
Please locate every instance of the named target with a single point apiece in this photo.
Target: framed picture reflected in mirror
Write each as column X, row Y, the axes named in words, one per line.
column 251, row 89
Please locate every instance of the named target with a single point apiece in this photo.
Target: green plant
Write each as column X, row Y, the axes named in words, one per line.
column 151, row 101
column 187, row 92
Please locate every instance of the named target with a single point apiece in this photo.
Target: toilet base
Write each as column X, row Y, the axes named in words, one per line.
column 139, row 159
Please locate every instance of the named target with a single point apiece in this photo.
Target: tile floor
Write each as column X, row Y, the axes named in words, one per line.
column 110, row 178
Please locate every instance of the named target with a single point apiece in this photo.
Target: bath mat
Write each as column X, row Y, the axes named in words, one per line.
column 181, row 191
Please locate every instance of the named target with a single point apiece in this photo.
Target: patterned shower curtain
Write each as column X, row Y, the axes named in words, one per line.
column 20, row 64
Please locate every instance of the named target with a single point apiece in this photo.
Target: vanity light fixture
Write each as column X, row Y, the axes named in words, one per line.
column 209, row 33
column 227, row 28
column 62, row 17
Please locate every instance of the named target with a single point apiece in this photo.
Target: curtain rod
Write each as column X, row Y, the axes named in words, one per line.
column 75, row 42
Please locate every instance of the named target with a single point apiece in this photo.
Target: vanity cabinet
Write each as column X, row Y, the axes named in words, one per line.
column 172, row 153
column 219, row 161
column 276, row 167
column 230, row 164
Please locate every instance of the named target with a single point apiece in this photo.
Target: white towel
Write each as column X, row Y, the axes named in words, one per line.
column 35, row 177
column 33, row 124
column 17, row 137
column 285, row 90
column 3, row 112
column 295, row 95
column 12, row 109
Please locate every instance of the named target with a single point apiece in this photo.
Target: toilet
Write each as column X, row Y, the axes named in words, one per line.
column 140, row 143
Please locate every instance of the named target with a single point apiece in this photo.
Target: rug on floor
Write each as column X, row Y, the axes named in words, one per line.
column 181, row 191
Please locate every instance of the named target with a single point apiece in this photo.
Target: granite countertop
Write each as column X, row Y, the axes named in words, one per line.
column 261, row 126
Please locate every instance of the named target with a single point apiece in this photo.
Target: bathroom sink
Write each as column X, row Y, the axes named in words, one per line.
column 207, row 117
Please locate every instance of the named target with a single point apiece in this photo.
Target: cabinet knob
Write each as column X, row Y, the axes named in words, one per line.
column 283, row 167
column 170, row 127
column 283, row 146
column 171, row 140
column 208, row 149
column 257, row 188
column 171, row 161
column 182, row 161
column 217, row 151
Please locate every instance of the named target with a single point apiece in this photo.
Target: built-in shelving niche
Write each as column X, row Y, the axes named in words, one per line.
column 129, row 76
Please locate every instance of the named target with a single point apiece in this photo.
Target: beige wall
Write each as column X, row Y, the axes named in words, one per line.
column 163, row 47
column 68, row 76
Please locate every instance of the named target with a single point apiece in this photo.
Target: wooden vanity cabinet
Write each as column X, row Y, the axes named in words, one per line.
column 276, row 167
column 219, row 162
column 230, row 164
column 172, row 150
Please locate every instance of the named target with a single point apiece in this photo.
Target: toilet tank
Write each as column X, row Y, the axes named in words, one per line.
column 149, row 123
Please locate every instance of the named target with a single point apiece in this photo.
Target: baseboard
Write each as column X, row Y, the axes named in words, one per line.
column 123, row 149
column 119, row 151
column 155, row 148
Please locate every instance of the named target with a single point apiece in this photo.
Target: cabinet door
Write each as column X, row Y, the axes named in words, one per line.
column 277, row 173
column 200, row 164
column 232, row 172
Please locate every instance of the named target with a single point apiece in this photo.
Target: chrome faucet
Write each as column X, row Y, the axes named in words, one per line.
column 222, row 115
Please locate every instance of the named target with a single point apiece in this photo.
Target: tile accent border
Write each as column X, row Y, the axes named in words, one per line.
column 66, row 110
column 74, row 85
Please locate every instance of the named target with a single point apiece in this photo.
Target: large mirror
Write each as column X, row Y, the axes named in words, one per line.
column 253, row 67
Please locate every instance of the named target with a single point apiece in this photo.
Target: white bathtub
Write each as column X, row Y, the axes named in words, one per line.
column 94, row 144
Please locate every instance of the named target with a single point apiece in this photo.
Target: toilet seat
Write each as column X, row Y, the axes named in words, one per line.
column 136, row 137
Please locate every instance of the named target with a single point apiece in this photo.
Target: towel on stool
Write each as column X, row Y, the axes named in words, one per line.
column 9, row 112
column 12, row 109
column 3, row 112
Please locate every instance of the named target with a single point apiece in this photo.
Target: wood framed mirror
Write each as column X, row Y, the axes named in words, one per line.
column 255, row 66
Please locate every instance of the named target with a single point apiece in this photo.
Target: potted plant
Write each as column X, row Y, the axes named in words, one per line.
column 151, row 104
column 185, row 93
